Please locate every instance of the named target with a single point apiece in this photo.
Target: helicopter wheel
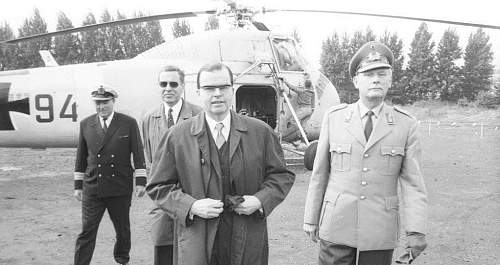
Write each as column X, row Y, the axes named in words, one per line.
column 310, row 154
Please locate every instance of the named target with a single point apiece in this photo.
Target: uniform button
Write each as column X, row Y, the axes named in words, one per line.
column 112, row 155
column 365, row 155
column 362, row 197
column 393, row 151
column 112, row 165
column 98, row 165
column 112, row 175
column 339, row 149
column 363, row 183
column 98, row 155
column 100, row 175
column 365, row 169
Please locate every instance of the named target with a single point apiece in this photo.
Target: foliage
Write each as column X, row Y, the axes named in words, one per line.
column 212, row 23
column 448, row 73
column 89, row 42
column 181, row 28
column 27, row 55
column 421, row 70
column 478, row 68
column 7, row 53
column 66, row 47
column 395, row 44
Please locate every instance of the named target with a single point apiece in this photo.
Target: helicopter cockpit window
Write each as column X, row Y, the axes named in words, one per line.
column 288, row 57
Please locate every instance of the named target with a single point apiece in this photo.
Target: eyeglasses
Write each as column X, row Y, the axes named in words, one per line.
column 173, row 84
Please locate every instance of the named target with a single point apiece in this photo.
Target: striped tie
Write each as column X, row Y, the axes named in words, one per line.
column 219, row 140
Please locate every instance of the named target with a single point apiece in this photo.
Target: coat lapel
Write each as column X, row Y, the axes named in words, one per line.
column 238, row 126
column 198, row 129
column 354, row 126
column 382, row 128
column 96, row 124
column 185, row 113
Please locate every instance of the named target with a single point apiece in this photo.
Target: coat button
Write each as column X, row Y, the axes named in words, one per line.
column 365, row 169
column 112, row 175
column 98, row 165
column 100, row 175
column 112, row 165
column 393, row 151
column 98, row 155
column 365, row 155
column 112, row 155
column 362, row 197
column 364, row 183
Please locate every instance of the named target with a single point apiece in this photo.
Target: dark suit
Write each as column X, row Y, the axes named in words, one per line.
column 188, row 169
column 154, row 127
column 103, row 170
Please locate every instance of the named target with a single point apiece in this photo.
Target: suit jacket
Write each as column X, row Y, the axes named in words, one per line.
column 103, row 161
column 182, row 174
column 154, row 127
column 353, row 193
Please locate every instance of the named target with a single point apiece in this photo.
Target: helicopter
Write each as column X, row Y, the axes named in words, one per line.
column 41, row 107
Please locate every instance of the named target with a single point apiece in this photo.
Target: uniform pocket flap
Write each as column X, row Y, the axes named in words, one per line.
column 340, row 148
column 392, row 202
column 392, row 150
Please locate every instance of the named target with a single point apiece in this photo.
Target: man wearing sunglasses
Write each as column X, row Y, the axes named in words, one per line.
column 220, row 175
column 171, row 111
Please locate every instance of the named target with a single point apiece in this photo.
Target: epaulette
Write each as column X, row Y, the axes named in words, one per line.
column 337, row 107
column 402, row 111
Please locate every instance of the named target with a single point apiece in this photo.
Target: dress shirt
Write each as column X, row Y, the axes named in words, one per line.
column 108, row 120
column 363, row 110
column 176, row 109
column 225, row 130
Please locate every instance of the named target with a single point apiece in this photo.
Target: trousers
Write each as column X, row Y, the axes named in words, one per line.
column 335, row 254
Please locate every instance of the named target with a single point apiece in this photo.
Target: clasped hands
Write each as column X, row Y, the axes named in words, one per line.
column 209, row 208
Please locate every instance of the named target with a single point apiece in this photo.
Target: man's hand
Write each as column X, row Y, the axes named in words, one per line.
column 140, row 191
column 312, row 232
column 78, row 195
column 249, row 206
column 207, row 208
column 416, row 242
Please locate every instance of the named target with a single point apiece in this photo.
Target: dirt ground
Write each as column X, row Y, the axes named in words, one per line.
column 40, row 219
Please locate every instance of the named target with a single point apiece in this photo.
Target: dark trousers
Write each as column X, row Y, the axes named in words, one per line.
column 335, row 254
column 164, row 255
column 93, row 209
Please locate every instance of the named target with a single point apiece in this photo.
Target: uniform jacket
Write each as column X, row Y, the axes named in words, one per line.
column 182, row 174
column 103, row 161
column 353, row 191
column 154, row 126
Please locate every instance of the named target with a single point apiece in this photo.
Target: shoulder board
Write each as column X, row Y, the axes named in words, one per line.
column 337, row 107
column 398, row 109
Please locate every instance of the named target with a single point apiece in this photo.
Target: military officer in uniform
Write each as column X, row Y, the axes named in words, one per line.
column 154, row 126
column 365, row 150
column 104, row 174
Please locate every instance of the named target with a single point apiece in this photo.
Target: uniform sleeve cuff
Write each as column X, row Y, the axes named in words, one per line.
column 78, row 184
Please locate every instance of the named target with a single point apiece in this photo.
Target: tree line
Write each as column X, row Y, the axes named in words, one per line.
column 104, row 44
column 431, row 73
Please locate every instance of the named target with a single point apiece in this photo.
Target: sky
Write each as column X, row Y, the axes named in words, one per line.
column 312, row 28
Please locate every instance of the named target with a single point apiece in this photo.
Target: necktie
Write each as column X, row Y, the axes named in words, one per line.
column 170, row 118
column 219, row 140
column 104, row 126
column 369, row 124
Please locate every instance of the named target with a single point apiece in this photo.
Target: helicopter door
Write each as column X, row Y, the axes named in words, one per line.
column 258, row 102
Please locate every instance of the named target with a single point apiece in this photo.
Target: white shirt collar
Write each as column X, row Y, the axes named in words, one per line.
column 176, row 109
column 108, row 120
column 225, row 130
column 363, row 109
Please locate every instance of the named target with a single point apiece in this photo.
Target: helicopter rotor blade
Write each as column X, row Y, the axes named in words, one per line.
column 387, row 16
column 109, row 24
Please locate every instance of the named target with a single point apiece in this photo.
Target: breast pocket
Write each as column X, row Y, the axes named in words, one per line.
column 393, row 157
column 340, row 155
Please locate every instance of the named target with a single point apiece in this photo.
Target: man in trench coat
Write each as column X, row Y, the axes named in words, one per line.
column 155, row 125
column 365, row 150
column 210, row 160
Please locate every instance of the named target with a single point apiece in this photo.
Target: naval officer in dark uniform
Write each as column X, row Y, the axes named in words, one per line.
column 104, row 174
